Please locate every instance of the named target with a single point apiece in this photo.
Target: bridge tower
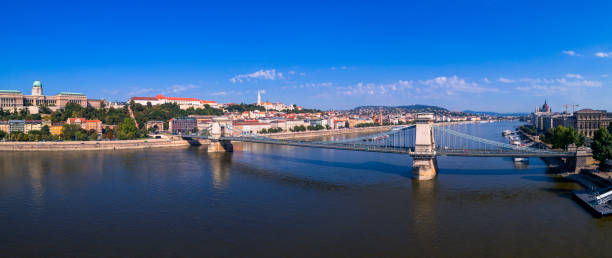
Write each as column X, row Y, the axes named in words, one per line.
column 217, row 143
column 424, row 166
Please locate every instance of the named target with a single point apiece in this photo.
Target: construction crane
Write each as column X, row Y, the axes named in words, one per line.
column 573, row 107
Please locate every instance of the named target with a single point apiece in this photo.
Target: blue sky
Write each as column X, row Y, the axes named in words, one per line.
column 505, row 56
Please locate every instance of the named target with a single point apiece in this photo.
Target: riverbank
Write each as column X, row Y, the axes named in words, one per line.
column 159, row 143
column 91, row 145
column 308, row 134
column 373, row 129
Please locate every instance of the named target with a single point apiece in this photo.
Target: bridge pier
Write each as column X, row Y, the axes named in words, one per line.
column 220, row 146
column 424, row 167
column 579, row 161
column 424, row 164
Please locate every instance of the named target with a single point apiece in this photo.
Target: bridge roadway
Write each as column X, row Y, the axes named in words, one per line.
column 400, row 150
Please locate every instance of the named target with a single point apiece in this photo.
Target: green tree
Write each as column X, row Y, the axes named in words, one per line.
column 560, row 137
column 43, row 109
column 127, row 130
column 74, row 132
column 45, row 131
column 108, row 133
column 3, row 134
column 602, row 147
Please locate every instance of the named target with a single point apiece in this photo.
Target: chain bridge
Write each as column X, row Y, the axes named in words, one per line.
column 424, row 141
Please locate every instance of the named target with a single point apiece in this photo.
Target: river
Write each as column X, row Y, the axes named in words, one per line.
column 283, row 201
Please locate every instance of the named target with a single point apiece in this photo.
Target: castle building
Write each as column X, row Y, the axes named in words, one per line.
column 14, row 99
column 184, row 103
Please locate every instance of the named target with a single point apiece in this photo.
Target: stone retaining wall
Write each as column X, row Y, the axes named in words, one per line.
column 91, row 145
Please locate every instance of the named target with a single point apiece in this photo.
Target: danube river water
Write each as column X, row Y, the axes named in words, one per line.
column 265, row 200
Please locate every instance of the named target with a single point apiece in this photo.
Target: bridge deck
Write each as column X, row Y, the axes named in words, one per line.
column 400, row 150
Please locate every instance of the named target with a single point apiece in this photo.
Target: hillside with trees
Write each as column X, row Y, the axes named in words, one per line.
column 165, row 112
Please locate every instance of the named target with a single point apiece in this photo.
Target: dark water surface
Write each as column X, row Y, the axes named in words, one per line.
column 265, row 200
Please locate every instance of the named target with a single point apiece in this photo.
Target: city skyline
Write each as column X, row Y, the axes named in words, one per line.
column 501, row 57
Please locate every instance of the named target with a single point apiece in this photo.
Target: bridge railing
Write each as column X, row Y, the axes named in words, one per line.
column 446, row 138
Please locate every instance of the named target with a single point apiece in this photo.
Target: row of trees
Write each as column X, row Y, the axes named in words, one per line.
column 244, row 107
column 367, row 125
column 303, row 111
column 271, row 130
column 298, row 128
column 560, row 137
column 35, row 135
column 602, row 146
column 529, row 129
column 23, row 114
column 110, row 116
column 126, row 130
column 315, row 127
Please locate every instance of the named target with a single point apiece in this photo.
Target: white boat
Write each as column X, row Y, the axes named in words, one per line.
column 506, row 133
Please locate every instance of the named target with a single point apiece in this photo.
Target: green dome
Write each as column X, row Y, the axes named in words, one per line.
column 37, row 84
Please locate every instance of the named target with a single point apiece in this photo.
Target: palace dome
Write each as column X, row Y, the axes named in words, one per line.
column 37, row 84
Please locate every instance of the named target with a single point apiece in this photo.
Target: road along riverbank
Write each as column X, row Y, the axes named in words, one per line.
column 91, row 145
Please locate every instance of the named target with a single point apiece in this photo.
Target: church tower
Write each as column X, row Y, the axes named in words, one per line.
column 37, row 88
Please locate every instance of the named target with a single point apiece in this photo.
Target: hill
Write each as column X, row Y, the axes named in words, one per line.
column 410, row 108
column 487, row 113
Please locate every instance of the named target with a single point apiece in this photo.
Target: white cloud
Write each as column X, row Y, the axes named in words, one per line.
column 135, row 92
column 579, row 83
column 376, row 89
column 570, row 53
column 292, row 72
column 573, row 75
column 220, row 93
column 271, row 74
column 313, row 85
column 604, row 75
column 505, row 80
column 178, row 88
column 455, row 84
column 344, row 67
column 603, row 54
column 571, row 84
column 486, row 80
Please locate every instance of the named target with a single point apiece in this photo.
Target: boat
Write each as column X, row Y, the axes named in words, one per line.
column 507, row 133
column 520, row 159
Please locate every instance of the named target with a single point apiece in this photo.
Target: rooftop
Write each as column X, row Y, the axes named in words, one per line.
column 10, row 92
column 588, row 110
column 143, row 98
column 71, row 93
column 159, row 96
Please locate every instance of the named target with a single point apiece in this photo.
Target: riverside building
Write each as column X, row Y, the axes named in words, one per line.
column 585, row 121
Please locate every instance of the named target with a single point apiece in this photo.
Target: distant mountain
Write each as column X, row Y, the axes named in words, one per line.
column 487, row 113
column 411, row 108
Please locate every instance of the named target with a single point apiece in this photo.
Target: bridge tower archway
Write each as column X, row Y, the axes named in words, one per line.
column 424, row 165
